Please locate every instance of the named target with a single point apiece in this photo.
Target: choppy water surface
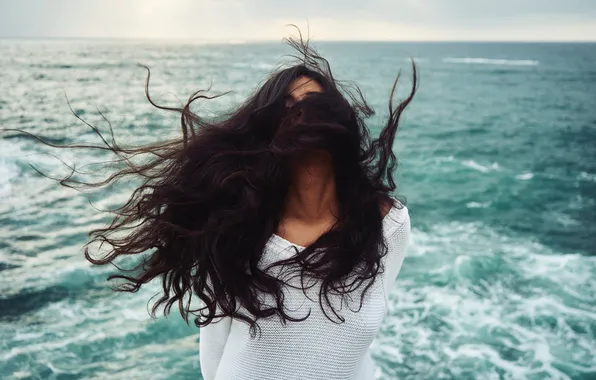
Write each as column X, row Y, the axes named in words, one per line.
column 497, row 161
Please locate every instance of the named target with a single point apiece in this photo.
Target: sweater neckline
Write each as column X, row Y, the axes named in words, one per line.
column 284, row 243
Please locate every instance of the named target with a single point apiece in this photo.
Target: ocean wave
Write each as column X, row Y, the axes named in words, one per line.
column 525, row 176
column 492, row 61
column 481, row 168
column 444, row 158
column 7, row 266
column 477, row 205
column 14, row 305
column 51, row 140
column 255, row 65
column 469, row 294
column 466, row 293
column 8, row 168
column 587, row 177
column 8, row 171
column 416, row 59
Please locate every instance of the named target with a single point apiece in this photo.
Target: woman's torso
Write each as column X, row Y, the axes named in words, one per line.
column 316, row 348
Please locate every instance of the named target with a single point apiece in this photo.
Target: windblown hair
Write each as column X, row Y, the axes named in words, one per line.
column 211, row 199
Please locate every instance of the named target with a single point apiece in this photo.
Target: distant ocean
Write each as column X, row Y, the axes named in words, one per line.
column 497, row 159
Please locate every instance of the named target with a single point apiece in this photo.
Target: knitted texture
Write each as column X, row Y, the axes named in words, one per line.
column 316, row 348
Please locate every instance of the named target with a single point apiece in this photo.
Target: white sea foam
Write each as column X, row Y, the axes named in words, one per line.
column 587, row 177
column 492, row 61
column 444, row 159
column 477, row 205
column 8, row 167
column 565, row 219
column 8, row 171
column 525, row 176
column 255, row 65
column 481, row 168
column 461, row 283
column 477, row 283
column 466, row 295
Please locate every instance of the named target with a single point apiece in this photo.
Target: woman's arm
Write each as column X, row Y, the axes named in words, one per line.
column 212, row 340
column 398, row 237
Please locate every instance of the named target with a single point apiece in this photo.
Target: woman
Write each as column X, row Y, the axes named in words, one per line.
column 278, row 217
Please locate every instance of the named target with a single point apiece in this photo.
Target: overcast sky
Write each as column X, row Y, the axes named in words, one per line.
column 503, row 20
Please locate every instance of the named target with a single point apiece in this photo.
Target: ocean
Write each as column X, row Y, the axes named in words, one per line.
column 497, row 161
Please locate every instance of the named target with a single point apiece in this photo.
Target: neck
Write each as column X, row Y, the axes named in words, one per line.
column 312, row 194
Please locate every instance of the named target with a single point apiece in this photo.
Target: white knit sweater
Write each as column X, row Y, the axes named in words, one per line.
column 316, row 348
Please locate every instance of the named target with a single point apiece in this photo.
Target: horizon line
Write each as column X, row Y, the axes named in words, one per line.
column 254, row 41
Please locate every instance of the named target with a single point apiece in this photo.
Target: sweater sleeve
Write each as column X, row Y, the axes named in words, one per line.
column 397, row 239
column 212, row 341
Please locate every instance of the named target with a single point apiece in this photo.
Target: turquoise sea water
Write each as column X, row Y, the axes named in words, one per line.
column 497, row 160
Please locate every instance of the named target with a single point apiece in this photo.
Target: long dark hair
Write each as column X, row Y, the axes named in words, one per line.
column 211, row 199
